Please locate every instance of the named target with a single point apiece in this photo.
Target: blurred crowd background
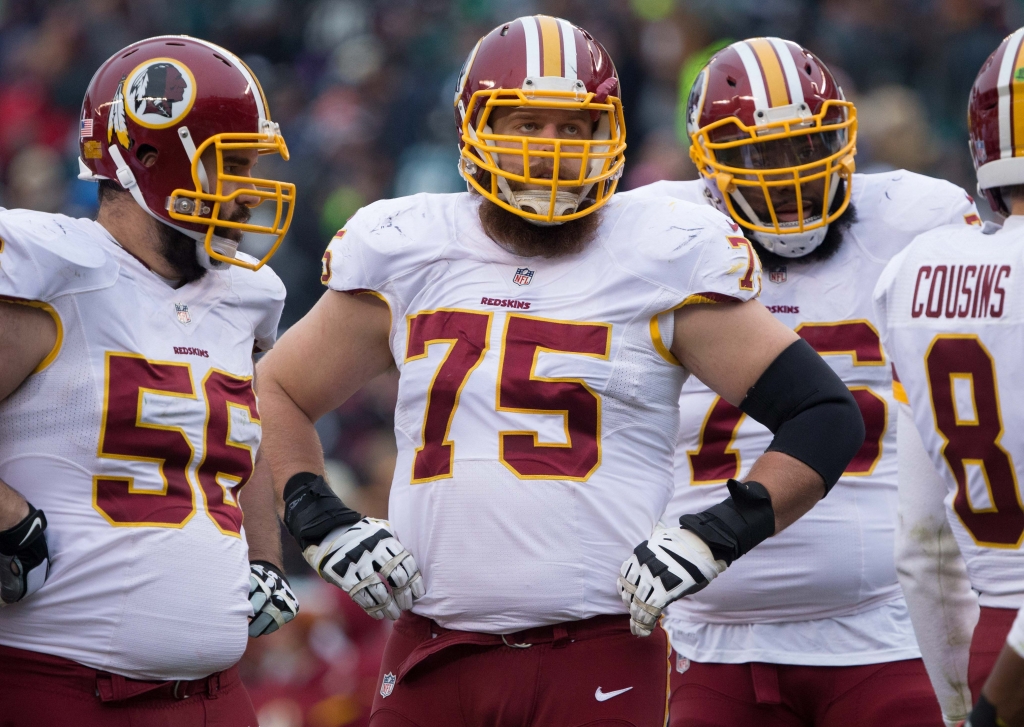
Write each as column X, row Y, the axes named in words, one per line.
column 363, row 92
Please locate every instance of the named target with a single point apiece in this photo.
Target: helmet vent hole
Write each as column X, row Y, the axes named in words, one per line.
column 504, row 31
column 807, row 68
column 222, row 60
column 731, row 81
column 147, row 154
column 133, row 50
column 174, row 42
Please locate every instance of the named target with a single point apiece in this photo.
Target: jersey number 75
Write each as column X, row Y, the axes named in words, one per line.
column 467, row 335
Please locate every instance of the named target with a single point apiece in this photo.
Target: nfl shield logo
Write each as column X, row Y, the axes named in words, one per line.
column 682, row 664
column 388, row 685
column 777, row 273
column 523, row 276
column 182, row 310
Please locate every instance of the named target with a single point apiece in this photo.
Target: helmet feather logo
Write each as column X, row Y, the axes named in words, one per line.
column 116, row 124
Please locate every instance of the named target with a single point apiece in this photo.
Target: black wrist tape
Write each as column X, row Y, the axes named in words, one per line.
column 812, row 414
column 312, row 510
column 737, row 524
column 13, row 541
column 983, row 715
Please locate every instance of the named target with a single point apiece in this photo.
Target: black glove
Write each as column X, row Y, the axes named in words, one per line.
column 24, row 559
column 983, row 715
column 272, row 600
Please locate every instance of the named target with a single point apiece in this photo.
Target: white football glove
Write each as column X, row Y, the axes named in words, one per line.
column 671, row 564
column 272, row 600
column 360, row 559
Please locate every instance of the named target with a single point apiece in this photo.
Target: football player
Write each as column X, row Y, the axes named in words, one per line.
column 804, row 630
column 128, row 421
column 542, row 328
column 947, row 309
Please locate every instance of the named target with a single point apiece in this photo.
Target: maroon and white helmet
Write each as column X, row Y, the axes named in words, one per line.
column 178, row 96
column 766, row 114
column 995, row 116
column 541, row 62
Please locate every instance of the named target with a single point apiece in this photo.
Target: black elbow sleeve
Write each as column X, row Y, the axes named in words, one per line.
column 812, row 414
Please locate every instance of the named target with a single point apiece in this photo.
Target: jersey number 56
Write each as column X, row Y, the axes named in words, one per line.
column 125, row 436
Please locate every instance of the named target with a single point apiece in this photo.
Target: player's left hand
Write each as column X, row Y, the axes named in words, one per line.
column 273, row 602
column 671, row 564
column 352, row 557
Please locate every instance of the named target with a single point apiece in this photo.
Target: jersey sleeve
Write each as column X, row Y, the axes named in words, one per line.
column 914, row 203
column 728, row 268
column 1015, row 640
column 693, row 252
column 41, row 258
column 942, row 606
column 383, row 245
column 262, row 297
column 880, row 296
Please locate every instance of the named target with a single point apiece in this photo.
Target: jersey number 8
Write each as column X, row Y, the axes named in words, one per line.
column 972, row 438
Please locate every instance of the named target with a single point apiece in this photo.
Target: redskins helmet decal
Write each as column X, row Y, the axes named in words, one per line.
column 766, row 115
column 177, row 97
column 995, row 116
column 540, row 62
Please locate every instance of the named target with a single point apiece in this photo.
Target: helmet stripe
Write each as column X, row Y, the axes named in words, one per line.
column 532, row 46
column 778, row 94
column 569, row 49
column 1017, row 95
column 753, row 69
column 796, row 89
column 551, row 42
column 1007, row 125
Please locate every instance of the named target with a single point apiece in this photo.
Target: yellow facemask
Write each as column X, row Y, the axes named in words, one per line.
column 599, row 160
column 739, row 164
column 199, row 207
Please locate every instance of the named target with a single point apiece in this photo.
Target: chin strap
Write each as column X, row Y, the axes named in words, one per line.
column 788, row 244
column 538, row 201
column 126, row 178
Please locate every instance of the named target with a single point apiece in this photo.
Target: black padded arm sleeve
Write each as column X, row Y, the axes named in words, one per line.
column 812, row 414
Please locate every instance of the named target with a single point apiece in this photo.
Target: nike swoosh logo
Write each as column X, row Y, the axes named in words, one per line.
column 37, row 523
column 605, row 696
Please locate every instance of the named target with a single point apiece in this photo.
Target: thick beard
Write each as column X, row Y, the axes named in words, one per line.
column 179, row 250
column 525, row 239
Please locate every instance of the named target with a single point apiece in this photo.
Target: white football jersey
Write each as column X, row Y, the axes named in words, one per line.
column 951, row 313
column 134, row 437
column 538, row 399
column 835, row 565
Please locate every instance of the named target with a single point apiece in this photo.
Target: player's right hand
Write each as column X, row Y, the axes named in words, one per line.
column 671, row 564
column 352, row 557
column 24, row 558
